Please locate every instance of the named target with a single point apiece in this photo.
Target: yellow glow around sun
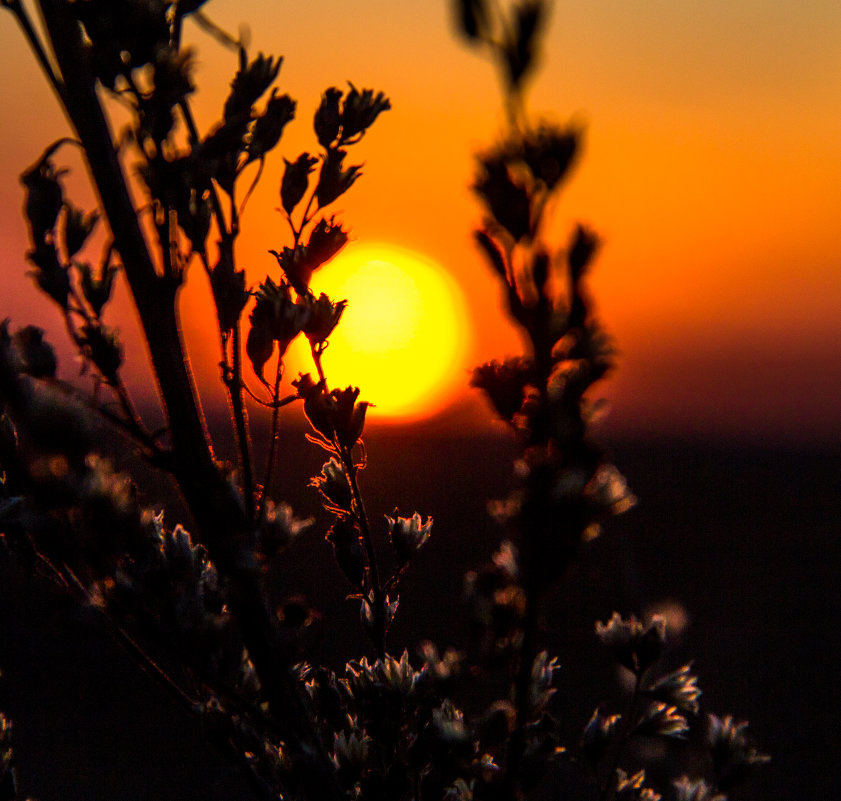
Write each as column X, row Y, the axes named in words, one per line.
column 404, row 336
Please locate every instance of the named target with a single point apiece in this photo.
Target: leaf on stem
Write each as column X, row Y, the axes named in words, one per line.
column 230, row 294
column 359, row 111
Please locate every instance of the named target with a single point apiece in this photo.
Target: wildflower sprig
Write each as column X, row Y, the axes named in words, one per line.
column 284, row 310
column 337, row 419
column 566, row 485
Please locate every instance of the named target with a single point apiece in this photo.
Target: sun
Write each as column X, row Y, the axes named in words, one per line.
column 404, row 336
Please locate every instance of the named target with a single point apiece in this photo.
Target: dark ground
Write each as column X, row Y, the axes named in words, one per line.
column 746, row 540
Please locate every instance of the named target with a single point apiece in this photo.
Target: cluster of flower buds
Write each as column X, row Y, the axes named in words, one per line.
column 278, row 318
column 734, row 755
column 58, row 233
column 127, row 37
column 342, row 119
column 391, row 724
column 497, row 603
column 567, row 487
column 671, row 711
column 632, row 788
column 633, row 644
column 514, row 41
column 299, row 263
column 407, row 535
column 338, row 417
column 696, row 790
column 242, row 137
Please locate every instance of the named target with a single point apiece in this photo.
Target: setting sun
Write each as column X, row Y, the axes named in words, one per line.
column 403, row 338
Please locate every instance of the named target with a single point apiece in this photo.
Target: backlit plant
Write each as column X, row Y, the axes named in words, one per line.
column 387, row 727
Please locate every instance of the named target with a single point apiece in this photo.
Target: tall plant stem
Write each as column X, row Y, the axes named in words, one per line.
column 522, row 685
column 216, row 507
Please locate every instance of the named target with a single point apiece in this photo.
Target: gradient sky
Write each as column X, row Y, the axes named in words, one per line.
column 712, row 170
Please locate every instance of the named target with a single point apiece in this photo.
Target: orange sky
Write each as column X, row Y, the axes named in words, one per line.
column 712, row 169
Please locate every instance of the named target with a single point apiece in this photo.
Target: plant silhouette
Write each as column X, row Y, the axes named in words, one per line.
column 385, row 729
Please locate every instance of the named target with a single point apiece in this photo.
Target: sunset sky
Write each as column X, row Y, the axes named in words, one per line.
column 712, row 170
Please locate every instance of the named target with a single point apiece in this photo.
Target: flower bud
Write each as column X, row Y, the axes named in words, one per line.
column 635, row 646
column 268, row 128
column 327, row 118
column 333, row 179
column 295, row 181
column 324, row 317
column 334, row 487
column 407, row 535
column 359, row 111
column 348, row 416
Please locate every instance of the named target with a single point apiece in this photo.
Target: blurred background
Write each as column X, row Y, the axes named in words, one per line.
column 711, row 169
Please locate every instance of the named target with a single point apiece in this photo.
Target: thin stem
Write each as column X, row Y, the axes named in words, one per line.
column 304, row 220
column 252, row 186
column 275, row 436
column 16, row 7
column 128, row 642
column 219, row 34
column 362, row 517
column 317, row 350
column 241, row 422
